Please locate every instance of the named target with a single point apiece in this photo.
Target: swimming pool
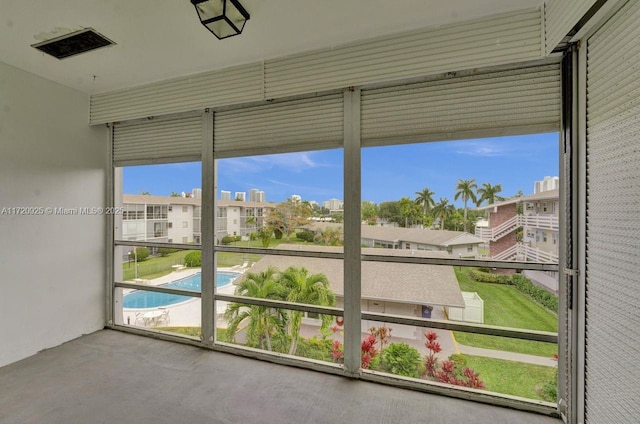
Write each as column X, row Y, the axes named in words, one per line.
column 148, row 299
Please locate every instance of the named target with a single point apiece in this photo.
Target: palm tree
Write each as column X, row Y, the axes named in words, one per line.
column 329, row 236
column 304, row 288
column 489, row 193
column 443, row 210
column 252, row 222
column 408, row 210
column 262, row 320
column 425, row 199
column 465, row 190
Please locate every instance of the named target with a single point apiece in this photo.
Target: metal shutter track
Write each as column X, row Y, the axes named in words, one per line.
column 308, row 124
column 613, row 221
column 179, row 138
column 507, row 102
column 560, row 17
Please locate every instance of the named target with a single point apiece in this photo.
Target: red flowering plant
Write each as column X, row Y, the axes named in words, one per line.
column 434, row 347
column 368, row 350
column 447, row 372
column 336, row 351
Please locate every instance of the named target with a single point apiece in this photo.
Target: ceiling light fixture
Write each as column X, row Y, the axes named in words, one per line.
column 224, row 18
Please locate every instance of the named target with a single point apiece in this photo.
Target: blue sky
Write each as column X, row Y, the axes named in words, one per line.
column 388, row 173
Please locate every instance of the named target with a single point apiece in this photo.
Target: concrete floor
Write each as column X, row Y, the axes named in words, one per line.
column 113, row 377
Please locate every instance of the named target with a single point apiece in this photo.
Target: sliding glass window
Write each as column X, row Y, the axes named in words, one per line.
column 279, row 243
column 157, row 253
column 463, row 233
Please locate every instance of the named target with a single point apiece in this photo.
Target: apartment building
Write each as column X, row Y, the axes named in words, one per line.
column 161, row 218
column 546, row 184
column 178, row 219
column 256, row 195
column 239, row 218
column 333, row 204
column 523, row 228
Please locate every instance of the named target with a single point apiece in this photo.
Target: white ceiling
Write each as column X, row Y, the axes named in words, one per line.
column 161, row 39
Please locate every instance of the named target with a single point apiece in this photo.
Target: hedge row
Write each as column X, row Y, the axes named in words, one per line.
column 538, row 294
column 523, row 284
column 485, row 277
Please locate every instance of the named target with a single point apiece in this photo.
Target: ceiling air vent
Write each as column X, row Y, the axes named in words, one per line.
column 74, row 43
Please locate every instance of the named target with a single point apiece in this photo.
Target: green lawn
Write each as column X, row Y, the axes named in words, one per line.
column 159, row 266
column 505, row 306
column 153, row 267
column 226, row 259
column 274, row 242
column 512, row 378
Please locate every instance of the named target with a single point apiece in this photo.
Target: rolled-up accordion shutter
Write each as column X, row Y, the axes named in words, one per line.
column 490, row 104
column 308, row 124
column 158, row 140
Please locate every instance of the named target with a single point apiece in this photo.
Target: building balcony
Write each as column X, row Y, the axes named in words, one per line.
column 542, row 222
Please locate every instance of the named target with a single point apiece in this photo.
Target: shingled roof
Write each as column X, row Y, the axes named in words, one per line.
column 415, row 284
column 416, row 235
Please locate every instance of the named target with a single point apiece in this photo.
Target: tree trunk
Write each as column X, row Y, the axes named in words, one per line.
column 295, row 332
column 267, row 336
column 465, row 215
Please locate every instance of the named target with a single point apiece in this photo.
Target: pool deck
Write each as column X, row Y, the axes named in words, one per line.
column 185, row 314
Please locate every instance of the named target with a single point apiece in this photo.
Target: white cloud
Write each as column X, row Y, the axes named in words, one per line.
column 292, row 162
column 483, row 148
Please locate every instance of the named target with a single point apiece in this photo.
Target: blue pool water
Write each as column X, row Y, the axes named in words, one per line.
column 148, row 299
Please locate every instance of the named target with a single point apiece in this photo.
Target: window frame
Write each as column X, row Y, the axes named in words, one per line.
column 352, row 257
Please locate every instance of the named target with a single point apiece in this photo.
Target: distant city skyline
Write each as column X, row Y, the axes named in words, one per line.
column 388, row 173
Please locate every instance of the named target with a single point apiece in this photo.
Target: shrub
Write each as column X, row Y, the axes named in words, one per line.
column 228, row 239
column 253, row 236
column 305, row 235
column 315, row 348
column 265, row 234
column 237, row 238
column 164, row 251
column 549, row 391
column 458, row 359
column 486, row 277
column 193, row 259
column 141, row 254
column 402, row 359
column 452, row 374
column 540, row 295
column 277, row 232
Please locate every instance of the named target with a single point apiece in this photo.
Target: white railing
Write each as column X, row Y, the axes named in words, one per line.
column 496, row 233
column 544, row 222
column 522, row 252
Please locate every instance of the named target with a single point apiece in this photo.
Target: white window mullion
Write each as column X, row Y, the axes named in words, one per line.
column 208, row 231
column 352, row 220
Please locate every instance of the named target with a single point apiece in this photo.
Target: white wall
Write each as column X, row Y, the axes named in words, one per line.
column 52, row 268
column 177, row 217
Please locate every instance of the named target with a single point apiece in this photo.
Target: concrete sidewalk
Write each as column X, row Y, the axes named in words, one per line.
column 448, row 344
column 508, row 356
